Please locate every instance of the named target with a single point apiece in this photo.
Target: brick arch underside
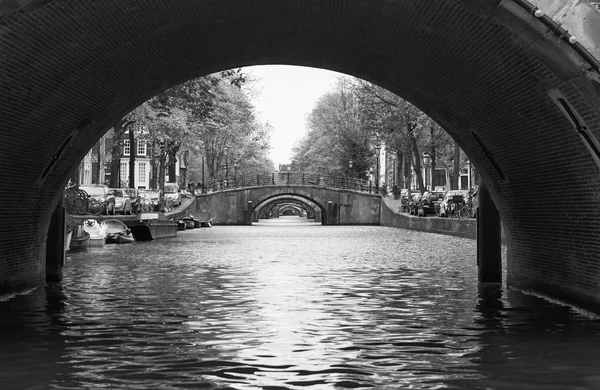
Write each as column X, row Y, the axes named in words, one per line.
column 285, row 204
column 305, row 202
column 482, row 69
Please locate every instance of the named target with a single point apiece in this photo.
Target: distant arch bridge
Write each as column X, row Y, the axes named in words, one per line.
column 329, row 200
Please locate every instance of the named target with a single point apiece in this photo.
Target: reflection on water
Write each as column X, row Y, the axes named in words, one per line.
column 288, row 304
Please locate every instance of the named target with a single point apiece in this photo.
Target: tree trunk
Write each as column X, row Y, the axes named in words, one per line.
column 417, row 158
column 399, row 169
column 407, row 171
column 456, row 168
column 132, row 153
column 433, row 183
column 161, row 174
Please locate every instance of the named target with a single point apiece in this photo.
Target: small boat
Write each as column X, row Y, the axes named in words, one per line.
column 189, row 223
column 79, row 243
column 151, row 226
column 118, row 232
column 193, row 220
column 205, row 219
column 180, row 224
column 97, row 231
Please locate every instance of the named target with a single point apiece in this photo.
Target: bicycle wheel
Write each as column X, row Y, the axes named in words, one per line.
column 463, row 212
column 80, row 206
column 95, row 207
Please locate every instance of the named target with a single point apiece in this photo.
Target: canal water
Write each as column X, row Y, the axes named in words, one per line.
column 290, row 304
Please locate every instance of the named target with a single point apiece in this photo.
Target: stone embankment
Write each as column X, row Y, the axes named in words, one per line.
column 391, row 216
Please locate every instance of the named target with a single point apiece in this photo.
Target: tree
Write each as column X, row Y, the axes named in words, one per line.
column 335, row 136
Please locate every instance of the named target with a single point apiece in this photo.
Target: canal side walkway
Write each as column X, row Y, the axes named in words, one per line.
column 391, row 216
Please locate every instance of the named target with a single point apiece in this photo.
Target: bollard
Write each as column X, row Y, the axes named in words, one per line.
column 329, row 213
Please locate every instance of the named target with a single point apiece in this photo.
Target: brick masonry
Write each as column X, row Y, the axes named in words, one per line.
column 483, row 69
column 351, row 208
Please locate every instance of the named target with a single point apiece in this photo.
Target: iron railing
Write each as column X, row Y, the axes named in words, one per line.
column 285, row 179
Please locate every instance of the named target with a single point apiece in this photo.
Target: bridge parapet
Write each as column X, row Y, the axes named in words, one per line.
column 338, row 206
column 287, row 179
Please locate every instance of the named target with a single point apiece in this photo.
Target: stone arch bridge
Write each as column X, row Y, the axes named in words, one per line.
column 331, row 206
column 517, row 86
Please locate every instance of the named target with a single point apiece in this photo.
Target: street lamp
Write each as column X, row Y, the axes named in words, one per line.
column 426, row 161
column 394, row 187
column 377, row 151
column 226, row 149
column 350, row 162
column 235, row 167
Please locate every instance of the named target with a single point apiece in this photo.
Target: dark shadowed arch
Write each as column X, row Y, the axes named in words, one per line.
column 319, row 211
column 510, row 86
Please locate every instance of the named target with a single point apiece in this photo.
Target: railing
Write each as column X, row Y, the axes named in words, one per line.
column 285, row 179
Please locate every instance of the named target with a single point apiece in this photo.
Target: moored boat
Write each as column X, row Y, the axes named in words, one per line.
column 79, row 243
column 150, row 226
column 97, row 231
column 118, row 232
column 205, row 219
column 189, row 223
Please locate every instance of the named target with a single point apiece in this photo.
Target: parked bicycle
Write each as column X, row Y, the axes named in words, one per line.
column 76, row 201
column 404, row 205
column 467, row 210
column 95, row 207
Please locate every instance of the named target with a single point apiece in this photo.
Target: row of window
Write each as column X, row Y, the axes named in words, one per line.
column 140, row 175
column 141, row 148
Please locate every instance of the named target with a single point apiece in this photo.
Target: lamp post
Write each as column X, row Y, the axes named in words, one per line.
column 226, row 149
column 235, row 167
column 394, row 186
column 377, row 151
column 426, row 161
column 203, row 182
column 350, row 163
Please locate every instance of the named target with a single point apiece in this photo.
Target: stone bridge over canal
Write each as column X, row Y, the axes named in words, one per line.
column 515, row 82
column 331, row 206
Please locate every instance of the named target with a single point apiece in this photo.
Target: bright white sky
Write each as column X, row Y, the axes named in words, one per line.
column 286, row 95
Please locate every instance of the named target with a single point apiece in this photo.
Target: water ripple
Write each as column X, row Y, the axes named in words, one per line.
column 290, row 307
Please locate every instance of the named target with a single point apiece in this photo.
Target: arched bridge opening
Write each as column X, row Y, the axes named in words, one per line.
column 519, row 93
column 271, row 207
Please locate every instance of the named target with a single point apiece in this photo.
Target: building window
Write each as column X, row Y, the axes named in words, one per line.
column 141, row 172
column 126, row 147
column 141, row 148
column 124, row 175
column 440, row 177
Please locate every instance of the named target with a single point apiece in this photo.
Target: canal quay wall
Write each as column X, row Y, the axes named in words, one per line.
column 460, row 227
column 391, row 216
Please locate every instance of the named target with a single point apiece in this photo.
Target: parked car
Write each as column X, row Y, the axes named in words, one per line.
column 122, row 200
column 134, row 197
column 102, row 194
column 413, row 204
column 453, row 199
column 173, row 192
column 428, row 202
